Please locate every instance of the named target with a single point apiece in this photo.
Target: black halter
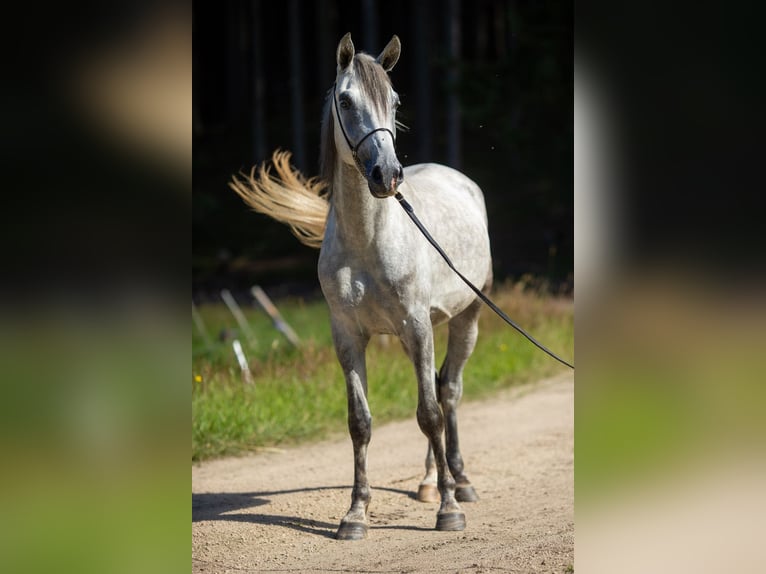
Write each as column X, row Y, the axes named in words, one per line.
column 411, row 213
column 351, row 146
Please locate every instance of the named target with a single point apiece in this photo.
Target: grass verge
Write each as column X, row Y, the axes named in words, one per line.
column 299, row 394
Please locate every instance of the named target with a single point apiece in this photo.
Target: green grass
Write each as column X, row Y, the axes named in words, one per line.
column 299, row 394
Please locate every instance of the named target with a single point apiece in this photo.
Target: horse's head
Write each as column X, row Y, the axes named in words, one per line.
column 365, row 111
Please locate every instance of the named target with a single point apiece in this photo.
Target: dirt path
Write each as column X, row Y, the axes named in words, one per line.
column 278, row 511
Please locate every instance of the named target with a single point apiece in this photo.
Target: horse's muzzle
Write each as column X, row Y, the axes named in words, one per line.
column 383, row 182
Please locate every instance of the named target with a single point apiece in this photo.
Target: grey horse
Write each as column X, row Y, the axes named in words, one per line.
column 378, row 274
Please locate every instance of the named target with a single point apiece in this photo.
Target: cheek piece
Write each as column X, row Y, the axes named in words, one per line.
column 352, row 147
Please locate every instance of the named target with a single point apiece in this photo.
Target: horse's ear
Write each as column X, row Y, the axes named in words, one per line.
column 345, row 52
column 390, row 54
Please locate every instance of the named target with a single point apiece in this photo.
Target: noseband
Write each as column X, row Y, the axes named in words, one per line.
column 411, row 213
column 352, row 147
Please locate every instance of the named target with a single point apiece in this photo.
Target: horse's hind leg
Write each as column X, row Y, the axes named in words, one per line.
column 428, row 491
column 351, row 355
column 463, row 331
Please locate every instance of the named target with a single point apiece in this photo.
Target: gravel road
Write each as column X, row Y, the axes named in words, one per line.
column 277, row 511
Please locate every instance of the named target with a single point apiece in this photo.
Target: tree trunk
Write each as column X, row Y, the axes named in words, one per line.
column 421, row 72
column 453, row 77
column 370, row 27
column 258, row 132
column 296, row 84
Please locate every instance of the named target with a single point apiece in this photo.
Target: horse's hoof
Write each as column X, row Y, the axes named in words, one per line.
column 466, row 494
column 450, row 521
column 351, row 531
column 428, row 493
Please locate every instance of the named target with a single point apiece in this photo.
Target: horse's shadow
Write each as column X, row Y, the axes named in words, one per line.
column 220, row 506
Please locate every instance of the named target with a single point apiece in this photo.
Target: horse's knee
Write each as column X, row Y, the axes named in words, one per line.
column 360, row 427
column 359, row 418
column 450, row 391
column 430, row 417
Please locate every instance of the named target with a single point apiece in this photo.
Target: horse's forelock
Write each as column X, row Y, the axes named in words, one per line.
column 373, row 81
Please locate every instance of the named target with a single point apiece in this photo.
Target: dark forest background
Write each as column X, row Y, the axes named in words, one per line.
column 486, row 87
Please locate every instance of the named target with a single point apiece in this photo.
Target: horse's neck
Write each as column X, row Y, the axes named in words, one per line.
column 362, row 220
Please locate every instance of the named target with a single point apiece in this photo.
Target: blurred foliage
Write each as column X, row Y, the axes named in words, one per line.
column 514, row 88
column 672, row 374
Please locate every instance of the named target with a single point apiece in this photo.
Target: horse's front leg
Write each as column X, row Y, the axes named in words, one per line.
column 420, row 345
column 350, row 348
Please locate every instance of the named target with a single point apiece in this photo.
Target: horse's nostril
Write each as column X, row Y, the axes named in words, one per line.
column 377, row 175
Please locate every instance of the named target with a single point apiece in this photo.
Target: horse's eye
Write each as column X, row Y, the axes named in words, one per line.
column 345, row 103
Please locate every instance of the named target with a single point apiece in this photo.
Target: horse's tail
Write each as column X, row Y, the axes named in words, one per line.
column 288, row 197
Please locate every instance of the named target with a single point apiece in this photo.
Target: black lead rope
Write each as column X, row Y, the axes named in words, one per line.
column 411, row 212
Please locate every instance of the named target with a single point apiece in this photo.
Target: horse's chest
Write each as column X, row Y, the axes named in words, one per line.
column 352, row 288
column 371, row 300
column 359, row 289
